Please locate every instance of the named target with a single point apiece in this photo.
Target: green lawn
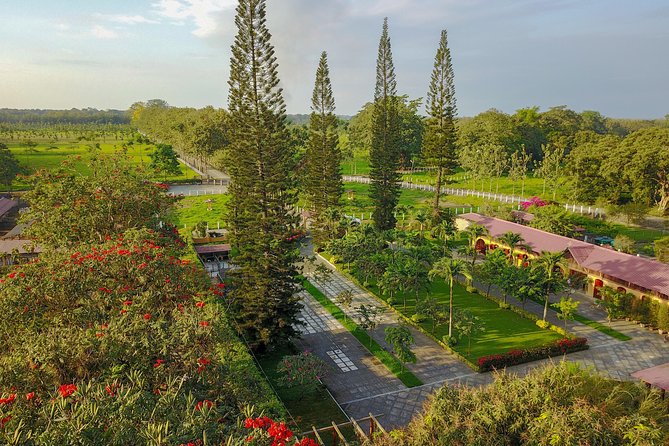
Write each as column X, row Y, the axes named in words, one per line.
column 361, row 203
column 311, row 409
column 51, row 155
column 504, row 329
column 192, row 210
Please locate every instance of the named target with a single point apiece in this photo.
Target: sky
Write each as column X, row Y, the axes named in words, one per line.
column 604, row 55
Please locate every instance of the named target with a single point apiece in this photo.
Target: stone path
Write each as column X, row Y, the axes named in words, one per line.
column 354, row 372
column 372, row 388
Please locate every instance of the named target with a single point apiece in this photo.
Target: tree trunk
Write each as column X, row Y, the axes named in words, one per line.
column 546, row 307
column 437, row 191
column 450, row 311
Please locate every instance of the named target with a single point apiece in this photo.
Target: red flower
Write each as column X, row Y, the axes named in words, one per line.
column 306, row 442
column 30, row 396
column 67, row 390
column 204, row 324
column 5, row 421
column 158, row 363
column 12, row 275
column 99, row 335
column 124, row 311
column 147, row 316
column 200, row 304
column 201, row 404
column 9, row 400
column 127, row 303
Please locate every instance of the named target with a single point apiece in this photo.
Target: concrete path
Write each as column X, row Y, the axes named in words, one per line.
column 436, row 366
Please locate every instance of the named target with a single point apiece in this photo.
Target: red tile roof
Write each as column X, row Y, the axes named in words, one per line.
column 639, row 271
column 7, row 205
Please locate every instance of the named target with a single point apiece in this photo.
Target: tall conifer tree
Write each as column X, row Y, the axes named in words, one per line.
column 440, row 134
column 322, row 183
column 261, row 188
column 384, row 153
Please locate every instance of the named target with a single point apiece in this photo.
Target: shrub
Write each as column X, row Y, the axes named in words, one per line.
column 518, row 356
column 138, row 337
column 418, row 318
column 504, row 306
column 542, row 324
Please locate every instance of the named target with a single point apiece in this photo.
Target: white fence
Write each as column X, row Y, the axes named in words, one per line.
column 502, row 198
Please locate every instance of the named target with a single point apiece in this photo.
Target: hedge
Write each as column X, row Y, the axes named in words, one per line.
column 518, row 356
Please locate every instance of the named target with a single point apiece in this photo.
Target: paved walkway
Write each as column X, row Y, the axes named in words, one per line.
column 371, row 388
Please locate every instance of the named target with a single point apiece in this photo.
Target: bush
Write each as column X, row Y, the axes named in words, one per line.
column 518, row 356
column 418, row 318
column 136, row 334
column 663, row 317
column 504, row 306
column 473, row 290
column 542, row 324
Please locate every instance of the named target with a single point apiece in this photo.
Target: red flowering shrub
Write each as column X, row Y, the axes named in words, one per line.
column 266, row 429
column 88, row 327
column 515, row 357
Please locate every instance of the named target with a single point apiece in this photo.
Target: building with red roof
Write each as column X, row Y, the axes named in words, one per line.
column 604, row 266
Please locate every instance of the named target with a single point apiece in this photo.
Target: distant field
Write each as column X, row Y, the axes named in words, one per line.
column 51, row 155
column 192, row 210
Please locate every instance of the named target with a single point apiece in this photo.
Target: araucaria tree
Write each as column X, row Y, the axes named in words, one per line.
column 322, row 182
column 440, row 134
column 262, row 186
column 384, row 154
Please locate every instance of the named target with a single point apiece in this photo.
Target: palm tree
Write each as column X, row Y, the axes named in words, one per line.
column 473, row 233
column 512, row 240
column 422, row 218
column 443, row 232
column 403, row 210
column 549, row 263
column 447, row 269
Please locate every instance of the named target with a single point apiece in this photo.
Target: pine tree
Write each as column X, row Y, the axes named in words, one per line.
column 384, row 153
column 262, row 186
column 322, row 183
column 440, row 133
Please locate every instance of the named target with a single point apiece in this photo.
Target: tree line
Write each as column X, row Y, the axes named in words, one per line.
column 72, row 116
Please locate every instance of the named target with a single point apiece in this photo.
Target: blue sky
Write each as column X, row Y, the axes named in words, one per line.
column 605, row 55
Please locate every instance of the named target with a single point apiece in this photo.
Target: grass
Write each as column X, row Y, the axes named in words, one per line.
column 192, row 210
column 504, row 329
column 50, row 156
column 601, row 327
column 315, row 408
column 407, row 378
column 361, row 203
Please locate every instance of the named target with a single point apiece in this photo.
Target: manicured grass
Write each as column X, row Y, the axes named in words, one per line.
column 504, row 329
column 51, row 155
column 361, row 203
column 315, row 408
column 192, row 210
column 408, row 378
column 601, row 327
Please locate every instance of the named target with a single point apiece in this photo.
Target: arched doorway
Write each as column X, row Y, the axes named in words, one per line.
column 595, row 291
column 480, row 246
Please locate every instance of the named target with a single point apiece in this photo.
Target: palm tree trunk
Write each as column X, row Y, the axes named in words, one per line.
column 546, row 307
column 450, row 310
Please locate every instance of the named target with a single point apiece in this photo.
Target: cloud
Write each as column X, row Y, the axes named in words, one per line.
column 102, row 32
column 203, row 13
column 126, row 19
column 62, row 27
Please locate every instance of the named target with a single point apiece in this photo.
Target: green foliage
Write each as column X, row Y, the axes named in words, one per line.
column 468, row 325
column 661, row 248
column 262, row 192
column 304, row 370
column 439, row 143
column 164, row 160
column 322, row 180
column 401, row 339
column 567, row 307
column 624, row 243
column 67, row 208
column 384, row 153
column 552, row 218
column 9, row 166
column 555, row 405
